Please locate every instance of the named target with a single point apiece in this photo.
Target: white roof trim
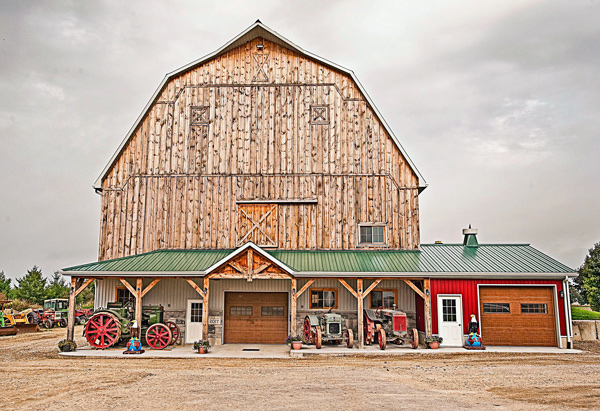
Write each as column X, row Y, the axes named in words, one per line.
column 244, row 248
column 224, row 49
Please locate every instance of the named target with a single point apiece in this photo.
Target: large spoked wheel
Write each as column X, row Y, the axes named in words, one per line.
column 349, row 339
column 415, row 340
column 103, row 330
column 382, row 339
column 158, row 336
column 307, row 330
column 174, row 331
column 318, row 337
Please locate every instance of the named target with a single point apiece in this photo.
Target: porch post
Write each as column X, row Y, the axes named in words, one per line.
column 138, row 302
column 294, row 308
column 361, row 330
column 205, row 308
column 71, row 314
column 428, row 323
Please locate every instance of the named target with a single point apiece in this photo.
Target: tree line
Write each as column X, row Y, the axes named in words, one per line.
column 33, row 288
column 586, row 287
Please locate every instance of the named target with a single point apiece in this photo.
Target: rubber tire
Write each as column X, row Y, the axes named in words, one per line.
column 349, row 339
column 415, row 341
column 62, row 323
column 48, row 324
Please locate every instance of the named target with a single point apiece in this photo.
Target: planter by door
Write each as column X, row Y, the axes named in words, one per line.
column 201, row 350
column 434, row 345
column 296, row 345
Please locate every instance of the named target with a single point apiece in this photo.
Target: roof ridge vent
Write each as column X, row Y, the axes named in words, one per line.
column 470, row 239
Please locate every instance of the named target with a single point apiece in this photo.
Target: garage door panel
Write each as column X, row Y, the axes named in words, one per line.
column 256, row 318
column 517, row 327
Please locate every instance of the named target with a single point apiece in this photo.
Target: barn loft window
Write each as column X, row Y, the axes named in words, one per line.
column 260, row 67
column 383, row 298
column 323, row 298
column 319, row 114
column 258, row 223
column 372, row 234
column 200, row 115
column 496, row 308
column 122, row 295
column 534, row 308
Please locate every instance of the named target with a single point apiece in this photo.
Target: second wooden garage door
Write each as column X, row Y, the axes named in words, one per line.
column 518, row 316
column 255, row 318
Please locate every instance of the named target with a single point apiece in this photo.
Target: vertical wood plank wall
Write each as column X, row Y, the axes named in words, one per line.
column 175, row 184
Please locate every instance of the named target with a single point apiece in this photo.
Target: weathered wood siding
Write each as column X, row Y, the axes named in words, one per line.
column 176, row 183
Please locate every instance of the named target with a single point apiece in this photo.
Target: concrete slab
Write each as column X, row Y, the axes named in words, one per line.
column 587, row 330
column 283, row 351
column 308, row 351
column 187, row 351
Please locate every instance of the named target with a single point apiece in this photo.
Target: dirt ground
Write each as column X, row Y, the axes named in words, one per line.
column 34, row 377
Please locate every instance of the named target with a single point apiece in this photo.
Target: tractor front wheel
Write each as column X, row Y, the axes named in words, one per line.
column 174, row 331
column 382, row 339
column 62, row 323
column 415, row 341
column 48, row 324
column 158, row 336
column 103, row 330
column 349, row 339
column 318, row 337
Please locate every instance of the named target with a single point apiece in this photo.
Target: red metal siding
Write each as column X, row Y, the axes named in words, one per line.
column 468, row 290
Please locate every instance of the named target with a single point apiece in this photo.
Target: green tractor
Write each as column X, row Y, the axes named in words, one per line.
column 112, row 325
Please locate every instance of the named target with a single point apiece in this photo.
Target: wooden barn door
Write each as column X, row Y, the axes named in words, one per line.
column 258, row 223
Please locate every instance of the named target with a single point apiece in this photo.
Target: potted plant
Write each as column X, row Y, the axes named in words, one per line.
column 202, row 346
column 433, row 342
column 67, row 345
column 295, row 341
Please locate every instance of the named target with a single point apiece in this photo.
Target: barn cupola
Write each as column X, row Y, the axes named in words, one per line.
column 470, row 237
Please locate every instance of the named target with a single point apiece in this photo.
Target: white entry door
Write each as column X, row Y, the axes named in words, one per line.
column 450, row 320
column 193, row 322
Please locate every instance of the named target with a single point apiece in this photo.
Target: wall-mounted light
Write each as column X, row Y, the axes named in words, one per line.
column 260, row 46
column 561, row 293
column 427, row 292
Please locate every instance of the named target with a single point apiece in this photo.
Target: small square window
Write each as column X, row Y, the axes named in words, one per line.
column 323, row 298
column 383, row 298
column 200, row 115
column 372, row 234
column 319, row 115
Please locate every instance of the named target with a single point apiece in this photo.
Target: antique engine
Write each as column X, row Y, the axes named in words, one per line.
column 327, row 327
column 388, row 324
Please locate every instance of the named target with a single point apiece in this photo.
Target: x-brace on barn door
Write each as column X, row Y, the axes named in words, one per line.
column 258, row 223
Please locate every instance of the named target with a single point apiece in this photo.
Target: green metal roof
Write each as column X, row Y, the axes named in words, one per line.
column 431, row 259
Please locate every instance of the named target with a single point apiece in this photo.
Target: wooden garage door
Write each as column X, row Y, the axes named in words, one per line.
column 256, row 318
column 518, row 316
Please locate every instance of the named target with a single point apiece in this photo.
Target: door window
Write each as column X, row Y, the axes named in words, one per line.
column 449, row 310
column 196, row 313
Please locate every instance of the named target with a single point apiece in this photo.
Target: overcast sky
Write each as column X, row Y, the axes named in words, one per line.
column 497, row 103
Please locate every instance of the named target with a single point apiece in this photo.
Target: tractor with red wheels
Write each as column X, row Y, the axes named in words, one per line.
column 388, row 325
column 110, row 326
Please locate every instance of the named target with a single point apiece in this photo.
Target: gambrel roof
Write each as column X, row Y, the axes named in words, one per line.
column 255, row 31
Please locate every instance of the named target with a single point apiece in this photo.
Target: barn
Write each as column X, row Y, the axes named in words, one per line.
column 261, row 184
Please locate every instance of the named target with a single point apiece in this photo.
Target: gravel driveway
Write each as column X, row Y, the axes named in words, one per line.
column 34, row 377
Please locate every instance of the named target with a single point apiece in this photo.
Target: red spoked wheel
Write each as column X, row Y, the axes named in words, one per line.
column 103, row 330
column 415, row 340
column 382, row 339
column 307, row 330
column 174, row 331
column 158, row 336
column 349, row 339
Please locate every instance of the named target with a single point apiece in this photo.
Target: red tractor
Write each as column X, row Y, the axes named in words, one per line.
column 388, row 325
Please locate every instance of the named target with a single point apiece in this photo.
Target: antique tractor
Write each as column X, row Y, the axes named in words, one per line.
column 327, row 327
column 388, row 325
column 110, row 326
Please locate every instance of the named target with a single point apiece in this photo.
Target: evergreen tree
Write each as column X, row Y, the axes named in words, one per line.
column 32, row 287
column 85, row 299
column 58, row 287
column 589, row 277
column 5, row 288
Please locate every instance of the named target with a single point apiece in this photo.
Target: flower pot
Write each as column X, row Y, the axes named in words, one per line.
column 202, row 350
column 296, row 345
column 67, row 348
column 434, row 345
